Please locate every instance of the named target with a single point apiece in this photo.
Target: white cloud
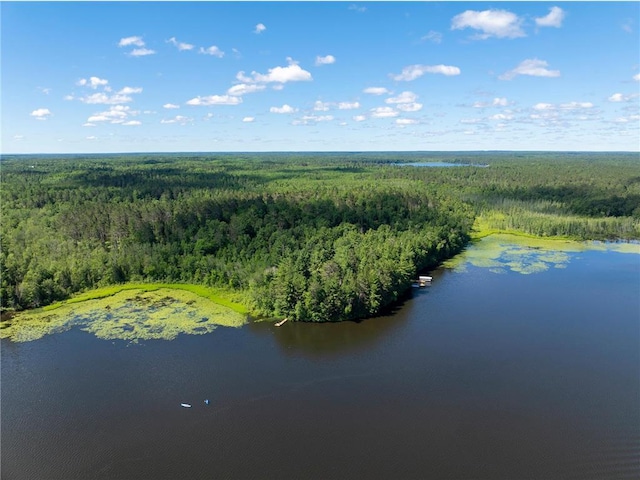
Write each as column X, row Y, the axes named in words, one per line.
column 404, row 97
column 409, row 107
column 636, row 77
column 177, row 119
column 406, row 121
column 248, row 119
column 170, row 105
column 543, row 106
column 348, row 105
column 432, row 36
column 215, row 100
column 500, row 102
column 243, row 88
column 357, row 8
column 501, row 116
column 92, row 82
column 319, row 106
column 290, row 73
column 141, row 52
column 127, row 41
column 130, row 90
column 180, row 45
column 412, row 72
column 283, row 109
column 115, row 114
column 376, row 90
column 69, row 97
column 103, row 98
column 213, row 51
column 359, row 118
column 260, row 28
column 131, row 123
column 619, row 97
column 91, row 137
column 384, row 112
column 41, row 114
column 553, row 19
column 45, row 90
column 532, row 67
column 310, row 119
column 88, row 124
column 492, row 23
column 576, row 105
column 326, row 60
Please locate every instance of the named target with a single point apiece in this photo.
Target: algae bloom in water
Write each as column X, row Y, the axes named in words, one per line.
column 131, row 315
column 501, row 253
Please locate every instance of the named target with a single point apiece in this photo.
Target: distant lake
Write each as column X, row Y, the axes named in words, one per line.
column 440, row 164
column 519, row 361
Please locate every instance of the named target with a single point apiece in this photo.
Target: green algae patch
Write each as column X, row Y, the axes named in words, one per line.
column 527, row 255
column 132, row 314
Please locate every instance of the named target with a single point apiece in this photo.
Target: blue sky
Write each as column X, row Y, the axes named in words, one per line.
column 319, row 76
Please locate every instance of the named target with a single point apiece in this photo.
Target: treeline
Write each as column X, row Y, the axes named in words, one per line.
column 311, row 237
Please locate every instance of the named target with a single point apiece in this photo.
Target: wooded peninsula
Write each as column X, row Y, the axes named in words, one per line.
column 310, row 237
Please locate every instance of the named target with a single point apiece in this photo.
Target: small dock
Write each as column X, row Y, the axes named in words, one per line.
column 423, row 281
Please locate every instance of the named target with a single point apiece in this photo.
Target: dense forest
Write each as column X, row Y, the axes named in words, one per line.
column 312, row 237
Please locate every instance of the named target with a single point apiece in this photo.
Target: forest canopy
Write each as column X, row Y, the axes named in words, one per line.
column 313, row 237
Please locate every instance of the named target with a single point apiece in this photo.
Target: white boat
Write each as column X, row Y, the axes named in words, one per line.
column 185, row 405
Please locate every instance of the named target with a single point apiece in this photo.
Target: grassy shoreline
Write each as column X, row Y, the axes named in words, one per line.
column 216, row 295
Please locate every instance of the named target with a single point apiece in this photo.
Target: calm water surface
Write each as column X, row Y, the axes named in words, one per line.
column 482, row 375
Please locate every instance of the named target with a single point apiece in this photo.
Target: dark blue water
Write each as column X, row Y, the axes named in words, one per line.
column 481, row 375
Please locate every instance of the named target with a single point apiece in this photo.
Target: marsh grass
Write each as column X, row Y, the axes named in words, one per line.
column 154, row 312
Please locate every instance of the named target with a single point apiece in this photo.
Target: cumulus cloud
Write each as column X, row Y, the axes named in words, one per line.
column 170, row 105
column 312, row 119
column 406, row 121
column 492, row 23
column 180, row 45
column 243, row 88
column 248, row 119
column 213, row 51
column 130, row 90
column 384, row 112
column 41, row 113
column 636, row 77
column 115, row 114
column 496, row 102
column 319, row 106
column 136, row 42
column 532, row 67
column 128, row 41
column 404, row 97
column 182, row 120
column 552, row 19
column 283, row 109
column 576, row 105
column 259, row 28
column 412, row 72
column 326, row 60
column 215, row 100
column 376, row 90
column 619, row 97
column 141, row 52
column 359, row 118
column 92, row 82
column 103, row 98
column 291, row 73
column 501, row 116
column 348, row 105
column 131, row 123
column 409, row 107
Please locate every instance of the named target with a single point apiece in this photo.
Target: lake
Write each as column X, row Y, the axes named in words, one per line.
column 517, row 362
